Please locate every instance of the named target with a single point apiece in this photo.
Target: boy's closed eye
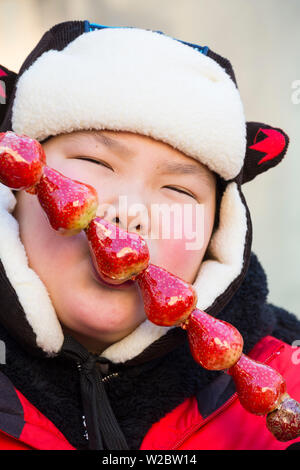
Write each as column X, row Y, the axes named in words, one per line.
column 143, row 159
column 94, row 160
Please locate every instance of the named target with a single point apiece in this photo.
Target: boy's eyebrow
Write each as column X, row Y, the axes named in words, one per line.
column 105, row 140
column 182, row 168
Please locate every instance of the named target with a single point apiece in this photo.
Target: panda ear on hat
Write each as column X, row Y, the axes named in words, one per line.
column 266, row 147
column 7, row 81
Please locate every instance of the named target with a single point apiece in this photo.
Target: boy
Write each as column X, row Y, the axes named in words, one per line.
column 134, row 113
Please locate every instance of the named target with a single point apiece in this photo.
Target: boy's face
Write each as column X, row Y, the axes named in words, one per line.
column 143, row 171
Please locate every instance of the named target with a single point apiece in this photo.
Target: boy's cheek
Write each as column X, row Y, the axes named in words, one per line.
column 172, row 254
column 179, row 244
column 44, row 246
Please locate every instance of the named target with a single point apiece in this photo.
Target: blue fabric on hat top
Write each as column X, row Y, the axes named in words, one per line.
column 94, row 26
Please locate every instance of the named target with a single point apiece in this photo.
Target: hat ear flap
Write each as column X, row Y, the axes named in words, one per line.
column 266, row 147
column 7, row 81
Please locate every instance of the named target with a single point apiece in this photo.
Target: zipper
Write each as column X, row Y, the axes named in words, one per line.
column 104, row 368
column 108, row 378
column 85, row 433
column 220, row 410
column 105, row 379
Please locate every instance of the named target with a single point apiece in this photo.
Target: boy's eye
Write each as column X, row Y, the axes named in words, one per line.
column 180, row 191
column 94, row 160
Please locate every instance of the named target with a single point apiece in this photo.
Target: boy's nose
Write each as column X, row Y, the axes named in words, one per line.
column 129, row 226
column 137, row 223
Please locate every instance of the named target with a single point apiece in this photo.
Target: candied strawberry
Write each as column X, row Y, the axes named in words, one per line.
column 69, row 204
column 118, row 255
column 168, row 300
column 259, row 387
column 21, row 161
column 215, row 344
column 284, row 422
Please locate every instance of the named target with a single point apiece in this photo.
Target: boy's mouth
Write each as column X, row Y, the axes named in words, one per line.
column 124, row 285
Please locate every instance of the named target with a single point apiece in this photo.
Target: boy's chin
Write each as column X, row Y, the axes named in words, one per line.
column 96, row 338
column 101, row 312
column 96, row 312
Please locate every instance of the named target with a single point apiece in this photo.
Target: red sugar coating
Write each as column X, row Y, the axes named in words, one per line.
column 21, row 160
column 117, row 254
column 215, row 344
column 259, row 387
column 284, row 422
column 168, row 300
column 68, row 204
